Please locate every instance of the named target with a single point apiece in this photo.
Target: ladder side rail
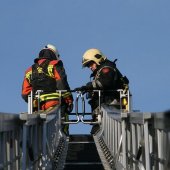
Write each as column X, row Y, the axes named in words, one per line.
column 51, row 129
column 161, row 153
column 113, row 138
column 10, row 136
column 140, row 149
column 40, row 133
column 31, row 140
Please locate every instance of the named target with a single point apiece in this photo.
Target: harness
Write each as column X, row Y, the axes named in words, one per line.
column 42, row 78
column 119, row 81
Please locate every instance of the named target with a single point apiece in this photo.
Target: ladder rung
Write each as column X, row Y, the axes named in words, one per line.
column 80, row 113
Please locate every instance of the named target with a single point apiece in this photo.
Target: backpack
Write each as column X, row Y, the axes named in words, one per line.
column 40, row 78
column 121, row 81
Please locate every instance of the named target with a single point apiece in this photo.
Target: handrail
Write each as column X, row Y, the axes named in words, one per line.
column 10, row 137
column 135, row 140
column 79, row 95
column 42, row 130
column 130, row 140
column 83, row 109
column 51, row 135
column 161, row 155
column 37, row 96
column 123, row 95
column 9, row 121
column 29, row 141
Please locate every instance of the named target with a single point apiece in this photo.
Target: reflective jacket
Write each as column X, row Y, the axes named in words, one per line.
column 57, row 81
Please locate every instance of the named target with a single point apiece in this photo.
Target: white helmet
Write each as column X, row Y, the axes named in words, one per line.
column 93, row 55
column 53, row 49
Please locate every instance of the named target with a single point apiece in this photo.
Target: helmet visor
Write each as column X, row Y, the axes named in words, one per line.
column 85, row 62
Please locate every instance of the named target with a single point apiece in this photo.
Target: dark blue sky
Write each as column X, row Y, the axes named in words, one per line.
column 135, row 32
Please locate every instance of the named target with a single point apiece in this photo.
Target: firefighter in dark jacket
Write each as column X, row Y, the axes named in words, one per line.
column 47, row 74
column 106, row 77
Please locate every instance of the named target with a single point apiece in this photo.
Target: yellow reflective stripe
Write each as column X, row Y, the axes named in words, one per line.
column 50, row 70
column 28, row 75
column 66, row 94
column 50, row 96
column 40, row 70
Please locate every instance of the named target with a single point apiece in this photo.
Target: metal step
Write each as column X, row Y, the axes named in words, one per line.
column 84, row 167
column 87, row 113
column 82, row 154
column 81, row 138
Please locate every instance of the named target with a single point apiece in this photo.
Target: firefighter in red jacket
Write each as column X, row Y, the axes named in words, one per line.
column 48, row 75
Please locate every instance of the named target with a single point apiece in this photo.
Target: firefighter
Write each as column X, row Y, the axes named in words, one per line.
column 48, row 75
column 106, row 77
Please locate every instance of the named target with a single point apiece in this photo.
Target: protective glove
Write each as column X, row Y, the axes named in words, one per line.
column 70, row 107
column 82, row 88
column 89, row 86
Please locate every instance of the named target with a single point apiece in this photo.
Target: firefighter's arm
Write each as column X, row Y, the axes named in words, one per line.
column 62, row 83
column 61, row 77
column 26, row 89
column 88, row 86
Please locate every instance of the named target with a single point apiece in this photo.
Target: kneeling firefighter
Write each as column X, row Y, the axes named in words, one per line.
column 106, row 77
column 48, row 75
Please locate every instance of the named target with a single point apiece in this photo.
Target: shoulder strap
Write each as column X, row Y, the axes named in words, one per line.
column 43, row 66
column 34, row 68
column 122, row 80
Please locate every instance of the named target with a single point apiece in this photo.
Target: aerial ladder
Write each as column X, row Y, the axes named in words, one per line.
column 85, row 151
column 125, row 140
column 73, row 151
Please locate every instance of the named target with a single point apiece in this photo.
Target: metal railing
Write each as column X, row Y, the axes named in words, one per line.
column 40, row 137
column 129, row 140
column 124, row 103
column 29, row 141
column 135, row 140
column 10, row 137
